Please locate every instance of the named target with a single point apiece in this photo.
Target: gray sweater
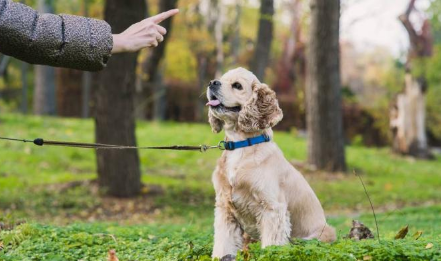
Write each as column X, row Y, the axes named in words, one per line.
column 56, row 40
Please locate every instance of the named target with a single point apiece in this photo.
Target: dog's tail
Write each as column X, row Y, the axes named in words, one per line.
column 327, row 234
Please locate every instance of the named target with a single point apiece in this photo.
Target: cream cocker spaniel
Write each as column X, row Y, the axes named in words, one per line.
column 258, row 192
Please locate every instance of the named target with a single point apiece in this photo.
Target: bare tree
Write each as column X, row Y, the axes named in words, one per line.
column 323, row 92
column 200, row 20
column 155, row 63
column 207, row 18
column 143, row 93
column 235, row 42
column 219, row 37
column 152, row 67
column 44, row 91
column 118, row 170
column 264, row 39
column 74, row 86
column 291, row 67
column 408, row 113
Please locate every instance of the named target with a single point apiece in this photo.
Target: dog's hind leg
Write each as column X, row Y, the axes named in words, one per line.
column 325, row 234
column 328, row 234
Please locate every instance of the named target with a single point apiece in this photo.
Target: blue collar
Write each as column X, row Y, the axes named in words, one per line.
column 232, row 145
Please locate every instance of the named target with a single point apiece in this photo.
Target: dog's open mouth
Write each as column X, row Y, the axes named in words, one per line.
column 215, row 103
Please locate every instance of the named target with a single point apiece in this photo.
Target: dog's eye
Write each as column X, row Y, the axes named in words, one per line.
column 237, row 85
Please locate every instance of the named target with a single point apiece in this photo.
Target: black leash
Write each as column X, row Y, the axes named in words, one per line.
column 41, row 142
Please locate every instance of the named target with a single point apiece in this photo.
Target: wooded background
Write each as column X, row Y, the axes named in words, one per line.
column 326, row 86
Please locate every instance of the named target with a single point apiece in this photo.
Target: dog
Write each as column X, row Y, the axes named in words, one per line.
column 258, row 192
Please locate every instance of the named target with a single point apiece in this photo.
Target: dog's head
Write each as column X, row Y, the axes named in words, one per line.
column 238, row 97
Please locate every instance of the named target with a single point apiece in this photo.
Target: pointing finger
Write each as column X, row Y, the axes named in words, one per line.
column 162, row 16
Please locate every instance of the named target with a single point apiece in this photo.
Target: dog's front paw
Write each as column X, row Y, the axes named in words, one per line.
column 228, row 258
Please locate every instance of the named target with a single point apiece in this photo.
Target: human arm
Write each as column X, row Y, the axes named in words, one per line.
column 56, row 40
column 70, row 41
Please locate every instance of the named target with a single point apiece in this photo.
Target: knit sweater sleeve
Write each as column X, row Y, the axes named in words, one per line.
column 57, row 40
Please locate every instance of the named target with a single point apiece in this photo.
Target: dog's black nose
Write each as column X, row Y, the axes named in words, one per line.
column 215, row 84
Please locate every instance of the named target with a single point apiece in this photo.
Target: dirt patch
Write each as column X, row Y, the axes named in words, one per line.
column 310, row 172
column 82, row 201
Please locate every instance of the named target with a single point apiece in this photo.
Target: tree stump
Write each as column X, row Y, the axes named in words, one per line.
column 408, row 120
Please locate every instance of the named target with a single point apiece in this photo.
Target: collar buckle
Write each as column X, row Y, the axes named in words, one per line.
column 266, row 137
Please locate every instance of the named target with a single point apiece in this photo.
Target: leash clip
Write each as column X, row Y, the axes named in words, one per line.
column 222, row 145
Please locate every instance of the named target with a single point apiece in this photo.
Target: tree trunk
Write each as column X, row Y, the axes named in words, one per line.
column 235, row 43
column 73, row 87
column 264, row 39
column 24, row 87
column 291, row 68
column 44, row 91
column 408, row 120
column 86, row 77
column 85, row 94
column 69, row 92
column 202, row 83
column 218, row 36
column 118, row 170
column 408, row 115
column 160, row 97
column 141, row 83
column 4, row 62
column 324, row 112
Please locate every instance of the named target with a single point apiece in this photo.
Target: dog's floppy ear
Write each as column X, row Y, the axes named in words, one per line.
column 261, row 111
column 216, row 124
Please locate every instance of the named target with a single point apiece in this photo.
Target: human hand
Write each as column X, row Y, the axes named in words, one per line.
column 146, row 33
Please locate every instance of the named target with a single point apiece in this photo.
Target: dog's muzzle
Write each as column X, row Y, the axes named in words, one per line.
column 214, row 85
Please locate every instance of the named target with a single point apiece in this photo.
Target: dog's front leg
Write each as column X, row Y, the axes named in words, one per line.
column 275, row 225
column 227, row 233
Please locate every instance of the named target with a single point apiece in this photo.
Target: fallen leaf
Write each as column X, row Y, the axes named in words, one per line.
column 365, row 258
column 145, row 190
column 388, row 186
column 429, row 246
column 417, row 235
column 1, row 245
column 402, row 233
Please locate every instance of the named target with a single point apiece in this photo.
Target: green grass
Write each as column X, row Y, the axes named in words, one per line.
column 32, row 178
column 194, row 242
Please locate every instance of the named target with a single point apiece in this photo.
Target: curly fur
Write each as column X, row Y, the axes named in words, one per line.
column 215, row 123
column 262, row 111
